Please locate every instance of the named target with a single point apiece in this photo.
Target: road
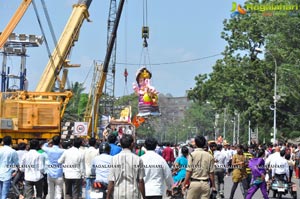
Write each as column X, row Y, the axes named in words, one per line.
column 238, row 193
column 258, row 195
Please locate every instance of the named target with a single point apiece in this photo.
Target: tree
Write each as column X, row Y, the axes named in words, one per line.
column 242, row 81
column 74, row 112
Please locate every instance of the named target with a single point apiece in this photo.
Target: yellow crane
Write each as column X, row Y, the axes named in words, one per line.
column 38, row 114
column 14, row 21
column 94, row 98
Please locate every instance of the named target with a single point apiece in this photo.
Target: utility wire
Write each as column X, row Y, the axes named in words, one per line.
column 171, row 62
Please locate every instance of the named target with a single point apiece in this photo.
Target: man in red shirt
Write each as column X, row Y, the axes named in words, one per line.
column 168, row 154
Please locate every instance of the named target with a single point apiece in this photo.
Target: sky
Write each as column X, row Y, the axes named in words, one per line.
column 180, row 30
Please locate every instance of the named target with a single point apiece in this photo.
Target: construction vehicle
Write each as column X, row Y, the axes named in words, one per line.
column 92, row 109
column 14, row 21
column 38, row 114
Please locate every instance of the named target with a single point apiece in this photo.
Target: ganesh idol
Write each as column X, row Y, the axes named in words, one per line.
column 148, row 95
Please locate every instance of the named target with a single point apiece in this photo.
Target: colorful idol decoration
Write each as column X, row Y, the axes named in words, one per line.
column 148, row 95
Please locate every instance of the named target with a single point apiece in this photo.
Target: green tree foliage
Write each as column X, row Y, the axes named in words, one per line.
column 243, row 80
column 200, row 120
column 76, row 106
column 131, row 100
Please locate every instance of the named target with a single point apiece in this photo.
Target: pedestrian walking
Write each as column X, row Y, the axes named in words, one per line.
column 22, row 149
column 114, row 149
column 159, row 149
column 297, row 163
column 74, row 171
column 248, row 157
column 139, row 151
column 55, row 170
column 281, row 168
column 180, row 164
column 89, row 154
column 291, row 164
column 45, row 181
column 126, row 175
column 8, row 165
column 157, row 172
column 101, row 164
column 257, row 166
column 33, row 166
column 212, row 147
column 220, row 165
column 239, row 174
column 168, row 154
column 200, row 172
column 227, row 152
column 19, row 177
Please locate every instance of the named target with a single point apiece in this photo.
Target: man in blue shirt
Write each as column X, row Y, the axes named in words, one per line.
column 8, row 164
column 114, row 149
column 55, row 171
column 101, row 164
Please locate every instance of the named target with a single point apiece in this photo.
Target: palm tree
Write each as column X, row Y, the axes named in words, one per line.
column 73, row 110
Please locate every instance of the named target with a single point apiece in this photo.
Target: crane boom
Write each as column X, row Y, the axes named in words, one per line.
column 38, row 114
column 94, row 104
column 59, row 56
column 14, row 21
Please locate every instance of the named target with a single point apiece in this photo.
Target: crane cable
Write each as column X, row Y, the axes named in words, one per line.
column 145, row 55
column 125, row 70
column 43, row 32
column 145, row 35
column 145, row 30
column 42, row 29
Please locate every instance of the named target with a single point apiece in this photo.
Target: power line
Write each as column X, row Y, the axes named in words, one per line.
column 171, row 62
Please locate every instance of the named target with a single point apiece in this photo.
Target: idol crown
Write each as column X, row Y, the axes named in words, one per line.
column 145, row 74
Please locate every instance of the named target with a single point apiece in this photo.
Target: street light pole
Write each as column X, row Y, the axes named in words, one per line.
column 275, row 97
column 216, row 125
column 234, row 136
column 249, row 132
column 224, row 125
column 238, row 128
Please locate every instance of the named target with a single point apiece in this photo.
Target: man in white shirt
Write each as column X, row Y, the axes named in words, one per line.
column 228, row 154
column 74, row 169
column 220, row 165
column 157, row 171
column 270, row 161
column 272, row 158
column 129, row 130
column 21, row 150
column 280, row 169
column 33, row 166
column 89, row 154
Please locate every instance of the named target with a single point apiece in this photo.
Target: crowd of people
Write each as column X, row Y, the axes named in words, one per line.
column 150, row 170
column 254, row 167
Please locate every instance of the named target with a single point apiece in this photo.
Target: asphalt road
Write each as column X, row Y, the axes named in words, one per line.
column 258, row 195
column 238, row 193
